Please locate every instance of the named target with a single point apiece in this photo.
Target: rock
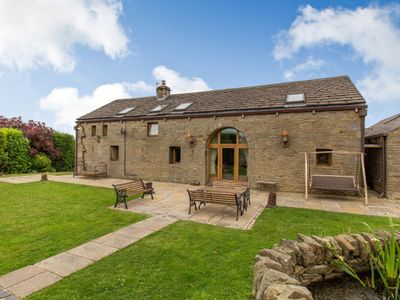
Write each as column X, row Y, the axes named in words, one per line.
column 362, row 245
column 347, row 247
column 317, row 248
column 307, row 254
column 298, row 270
column 321, row 269
column 263, row 263
column 270, row 277
column 307, row 279
column 286, row 260
column 284, row 292
column 330, row 242
column 293, row 246
column 287, row 251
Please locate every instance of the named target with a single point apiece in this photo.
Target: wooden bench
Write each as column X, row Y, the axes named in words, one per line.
column 132, row 188
column 203, row 197
column 99, row 170
column 228, row 184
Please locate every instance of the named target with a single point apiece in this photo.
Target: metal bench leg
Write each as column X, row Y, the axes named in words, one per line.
column 151, row 194
column 116, row 201
column 237, row 212
column 126, row 206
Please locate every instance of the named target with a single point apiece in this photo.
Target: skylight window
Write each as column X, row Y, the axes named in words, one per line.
column 126, row 110
column 295, row 97
column 183, row 106
column 159, row 108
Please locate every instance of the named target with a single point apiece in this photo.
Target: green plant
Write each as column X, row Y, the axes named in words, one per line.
column 65, row 144
column 14, row 151
column 384, row 259
column 41, row 163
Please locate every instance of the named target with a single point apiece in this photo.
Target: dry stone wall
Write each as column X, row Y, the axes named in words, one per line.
column 285, row 271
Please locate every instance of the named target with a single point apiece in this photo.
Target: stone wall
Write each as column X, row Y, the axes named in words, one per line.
column 393, row 164
column 148, row 157
column 284, row 271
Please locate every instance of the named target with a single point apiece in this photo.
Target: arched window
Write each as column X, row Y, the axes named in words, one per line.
column 228, row 155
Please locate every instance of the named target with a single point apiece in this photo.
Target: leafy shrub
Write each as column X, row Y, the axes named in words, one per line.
column 41, row 163
column 65, row 145
column 39, row 135
column 14, row 151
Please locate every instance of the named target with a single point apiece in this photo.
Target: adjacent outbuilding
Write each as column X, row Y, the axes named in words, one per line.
column 382, row 147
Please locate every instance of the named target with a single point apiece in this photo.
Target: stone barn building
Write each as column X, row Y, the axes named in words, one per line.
column 257, row 134
column 382, row 143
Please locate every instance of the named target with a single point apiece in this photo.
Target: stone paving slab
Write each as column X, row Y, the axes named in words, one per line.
column 19, row 275
column 120, row 241
column 93, row 251
column 64, row 264
column 34, row 284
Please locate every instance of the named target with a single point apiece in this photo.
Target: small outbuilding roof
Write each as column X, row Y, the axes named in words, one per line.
column 325, row 92
column 383, row 127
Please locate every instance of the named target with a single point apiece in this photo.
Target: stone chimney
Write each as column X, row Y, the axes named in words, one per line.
column 163, row 91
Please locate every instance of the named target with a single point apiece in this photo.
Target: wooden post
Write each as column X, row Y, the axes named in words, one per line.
column 306, row 173
column 364, row 179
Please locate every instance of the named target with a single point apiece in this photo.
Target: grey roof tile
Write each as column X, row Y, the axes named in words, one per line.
column 318, row 92
column 383, row 127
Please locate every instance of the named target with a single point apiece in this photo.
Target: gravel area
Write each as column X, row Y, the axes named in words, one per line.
column 345, row 288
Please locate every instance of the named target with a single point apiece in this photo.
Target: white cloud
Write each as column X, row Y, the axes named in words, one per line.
column 179, row 83
column 36, row 33
column 66, row 103
column 370, row 31
column 310, row 64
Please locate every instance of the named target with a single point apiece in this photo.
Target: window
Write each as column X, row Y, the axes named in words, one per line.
column 295, row 97
column 93, row 130
column 174, row 155
column 114, row 152
column 126, row 110
column 105, row 129
column 152, row 129
column 159, row 108
column 183, row 106
column 324, row 158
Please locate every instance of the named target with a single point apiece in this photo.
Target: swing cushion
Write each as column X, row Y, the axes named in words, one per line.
column 333, row 182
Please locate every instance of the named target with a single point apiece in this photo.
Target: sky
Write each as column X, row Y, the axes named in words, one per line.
column 62, row 59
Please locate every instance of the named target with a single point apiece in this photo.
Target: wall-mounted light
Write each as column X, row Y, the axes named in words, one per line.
column 190, row 139
column 285, row 138
column 98, row 138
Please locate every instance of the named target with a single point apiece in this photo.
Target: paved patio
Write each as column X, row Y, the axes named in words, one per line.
column 171, row 200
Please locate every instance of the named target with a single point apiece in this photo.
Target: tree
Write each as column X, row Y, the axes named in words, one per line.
column 39, row 135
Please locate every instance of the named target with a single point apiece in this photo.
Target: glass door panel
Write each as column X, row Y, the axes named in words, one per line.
column 243, row 160
column 228, row 163
column 213, row 162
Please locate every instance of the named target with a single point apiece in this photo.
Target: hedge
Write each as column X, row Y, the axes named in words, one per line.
column 14, row 151
column 65, row 144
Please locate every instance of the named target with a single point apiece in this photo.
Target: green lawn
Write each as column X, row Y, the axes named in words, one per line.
column 40, row 219
column 187, row 260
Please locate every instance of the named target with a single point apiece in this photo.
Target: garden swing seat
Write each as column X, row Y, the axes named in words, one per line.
column 337, row 182
column 333, row 182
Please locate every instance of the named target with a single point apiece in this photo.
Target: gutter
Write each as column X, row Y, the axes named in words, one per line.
column 360, row 106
